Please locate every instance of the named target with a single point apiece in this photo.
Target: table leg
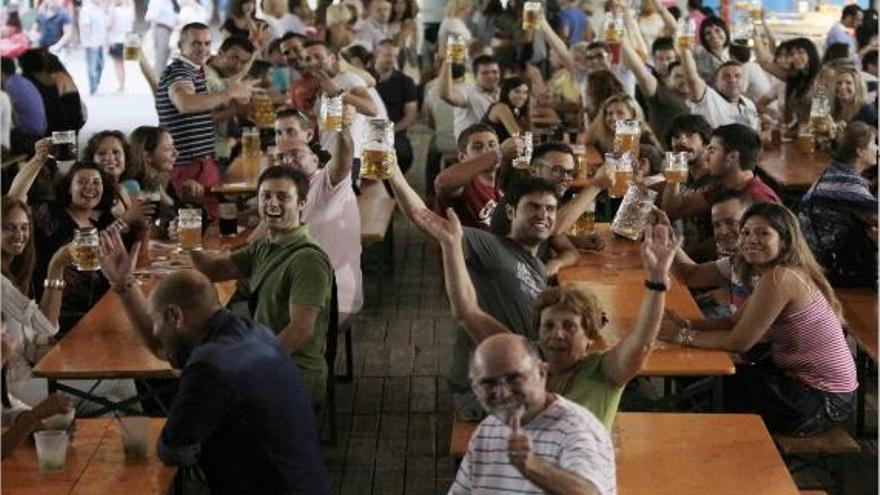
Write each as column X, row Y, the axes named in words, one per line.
column 109, row 405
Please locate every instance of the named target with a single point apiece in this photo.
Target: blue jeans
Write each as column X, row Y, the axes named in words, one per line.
column 95, row 64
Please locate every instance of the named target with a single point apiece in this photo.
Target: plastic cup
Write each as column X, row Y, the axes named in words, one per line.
column 51, row 449
column 135, row 434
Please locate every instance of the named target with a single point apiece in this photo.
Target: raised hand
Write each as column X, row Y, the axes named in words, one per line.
column 513, row 147
column 43, row 148
column 658, row 251
column 117, row 263
column 446, row 230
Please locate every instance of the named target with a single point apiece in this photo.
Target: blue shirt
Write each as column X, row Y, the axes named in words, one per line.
column 576, row 20
column 29, row 113
column 52, row 28
column 839, row 34
column 243, row 414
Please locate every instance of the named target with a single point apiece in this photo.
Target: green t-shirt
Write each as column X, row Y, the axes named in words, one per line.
column 586, row 384
column 215, row 83
column 292, row 270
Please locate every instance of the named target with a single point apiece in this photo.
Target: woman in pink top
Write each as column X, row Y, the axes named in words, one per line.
column 807, row 382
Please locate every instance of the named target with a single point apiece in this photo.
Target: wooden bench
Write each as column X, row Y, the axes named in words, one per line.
column 462, row 431
column 825, row 450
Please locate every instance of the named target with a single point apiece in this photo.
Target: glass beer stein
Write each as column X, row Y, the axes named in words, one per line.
column 189, row 229
column 262, row 110
column 86, row 253
column 586, row 223
column 626, row 137
column 64, row 149
column 634, row 211
column 131, row 47
column 376, row 159
column 531, row 15
column 622, row 168
column 685, row 32
column 522, row 162
column 675, row 169
column 455, row 49
column 582, row 169
column 331, row 113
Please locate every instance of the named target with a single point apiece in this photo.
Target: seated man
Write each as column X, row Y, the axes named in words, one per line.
column 289, row 276
column 242, row 413
column 534, row 441
column 725, row 103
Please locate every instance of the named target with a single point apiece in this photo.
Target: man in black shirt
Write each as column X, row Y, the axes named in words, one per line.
column 398, row 92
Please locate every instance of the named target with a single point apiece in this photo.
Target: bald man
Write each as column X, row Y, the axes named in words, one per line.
column 533, row 441
column 242, row 413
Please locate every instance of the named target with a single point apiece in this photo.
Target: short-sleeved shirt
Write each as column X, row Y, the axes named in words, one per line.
column 477, row 104
column 474, row 206
column 193, row 133
column 396, row 92
column 840, row 34
column 243, row 413
column 576, row 20
column 718, row 111
column 291, row 270
column 507, row 279
column 663, row 108
column 756, row 189
column 52, row 27
column 564, row 434
column 586, row 385
column 28, row 112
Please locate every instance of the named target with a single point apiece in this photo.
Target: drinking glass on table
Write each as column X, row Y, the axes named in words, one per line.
column 586, row 223
column 189, row 229
column 51, row 449
column 135, row 436
column 85, row 251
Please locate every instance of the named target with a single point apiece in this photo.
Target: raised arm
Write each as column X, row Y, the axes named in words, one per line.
column 447, row 88
column 451, row 182
column 644, row 78
column 696, row 85
column 25, row 178
column 409, row 201
column 669, row 26
column 634, row 34
column 148, row 72
column 557, row 44
column 625, row 360
column 765, row 58
column 459, row 288
column 501, row 113
column 569, row 213
column 565, row 254
column 678, row 204
column 185, row 99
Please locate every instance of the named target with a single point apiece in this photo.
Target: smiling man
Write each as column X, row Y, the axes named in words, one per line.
column 288, row 274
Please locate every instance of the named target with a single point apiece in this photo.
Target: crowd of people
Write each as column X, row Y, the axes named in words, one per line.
column 501, row 200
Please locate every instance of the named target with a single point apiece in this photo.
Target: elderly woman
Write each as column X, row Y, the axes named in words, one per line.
column 568, row 321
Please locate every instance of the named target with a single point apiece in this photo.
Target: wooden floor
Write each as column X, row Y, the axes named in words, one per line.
column 394, row 418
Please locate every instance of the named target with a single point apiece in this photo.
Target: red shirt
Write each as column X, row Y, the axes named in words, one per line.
column 756, row 189
column 304, row 93
column 474, row 206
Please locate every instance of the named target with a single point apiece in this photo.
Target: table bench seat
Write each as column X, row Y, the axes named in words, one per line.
column 831, row 442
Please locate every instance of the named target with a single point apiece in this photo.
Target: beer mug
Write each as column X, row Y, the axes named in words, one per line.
column 806, row 141
column 64, row 149
column 131, row 47
column 455, row 49
column 189, row 229
column 376, row 162
column 582, row 168
column 522, row 162
column 531, row 15
column 86, row 253
column 621, row 168
column 634, row 211
column 228, row 219
column 331, row 113
column 615, row 30
column 626, row 137
column 685, row 32
column 586, row 223
column 262, row 110
column 676, row 167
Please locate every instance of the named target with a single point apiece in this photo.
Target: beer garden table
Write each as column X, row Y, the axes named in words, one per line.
column 860, row 312
column 791, row 170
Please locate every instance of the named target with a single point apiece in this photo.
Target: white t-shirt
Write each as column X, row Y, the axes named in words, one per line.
column 121, row 23
column 452, row 25
column 478, row 103
column 718, row 111
column 759, row 83
column 372, row 33
column 334, row 220
column 346, row 81
column 92, row 25
column 565, row 434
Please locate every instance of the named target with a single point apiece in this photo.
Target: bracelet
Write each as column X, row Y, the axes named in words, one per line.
column 54, row 283
column 657, row 286
column 124, row 287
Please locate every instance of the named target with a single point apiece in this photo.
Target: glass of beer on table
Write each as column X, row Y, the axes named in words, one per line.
column 377, row 160
column 189, row 229
column 685, row 32
column 85, row 251
column 586, row 223
column 455, row 49
column 531, row 15
column 331, row 113
column 626, row 137
column 64, row 149
column 621, row 167
column 806, row 141
column 675, row 169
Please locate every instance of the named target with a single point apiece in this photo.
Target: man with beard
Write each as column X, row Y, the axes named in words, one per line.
column 533, row 441
column 242, row 413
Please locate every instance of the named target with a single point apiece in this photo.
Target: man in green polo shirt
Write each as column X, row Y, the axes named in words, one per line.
column 289, row 275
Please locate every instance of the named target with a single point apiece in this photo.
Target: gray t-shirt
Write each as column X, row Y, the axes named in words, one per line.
column 507, row 279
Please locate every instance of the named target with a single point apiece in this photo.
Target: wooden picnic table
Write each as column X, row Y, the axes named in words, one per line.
column 616, row 276
column 791, row 169
column 95, row 465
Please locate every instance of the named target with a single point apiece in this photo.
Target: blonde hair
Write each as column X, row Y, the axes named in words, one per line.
column 338, row 13
column 456, row 7
column 603, row 138
column 846, row 112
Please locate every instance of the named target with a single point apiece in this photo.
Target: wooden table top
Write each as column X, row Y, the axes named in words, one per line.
column 679, row 454
column 95, row 465
column 792, row 169
column 860, row 311
column 616, row 276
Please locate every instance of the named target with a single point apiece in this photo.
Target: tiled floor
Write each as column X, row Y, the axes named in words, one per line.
column 394, row 418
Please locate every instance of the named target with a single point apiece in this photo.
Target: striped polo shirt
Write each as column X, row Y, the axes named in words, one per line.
column 564, row 434
column 193, row 133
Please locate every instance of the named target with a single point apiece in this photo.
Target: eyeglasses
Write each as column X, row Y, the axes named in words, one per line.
column 560, row 171
column 512, row 379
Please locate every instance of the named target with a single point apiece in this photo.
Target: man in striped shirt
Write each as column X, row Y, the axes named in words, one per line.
column 184, row 107
column 533, row 441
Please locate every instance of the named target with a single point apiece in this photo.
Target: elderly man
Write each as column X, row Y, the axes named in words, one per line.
column 533, row 441
column 242, row 413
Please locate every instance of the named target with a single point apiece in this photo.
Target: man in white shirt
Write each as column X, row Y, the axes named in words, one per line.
column 375, row 29
column 93, row 37
column 162, row 15
column 533, row 441
column 281, row 21
column 725, row 103
column 842, row 32
column 471, row 101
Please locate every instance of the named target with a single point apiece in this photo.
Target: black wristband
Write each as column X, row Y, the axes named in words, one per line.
column 658, row 286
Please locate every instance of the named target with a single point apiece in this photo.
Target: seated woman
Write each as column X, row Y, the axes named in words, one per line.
column 150, row 162
column 839, row 210
column 510, row 115
column 600, row 132
column 109, row 150
column 568, row 320
column 713, row 49
column 850, row 98
column 807, row 382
